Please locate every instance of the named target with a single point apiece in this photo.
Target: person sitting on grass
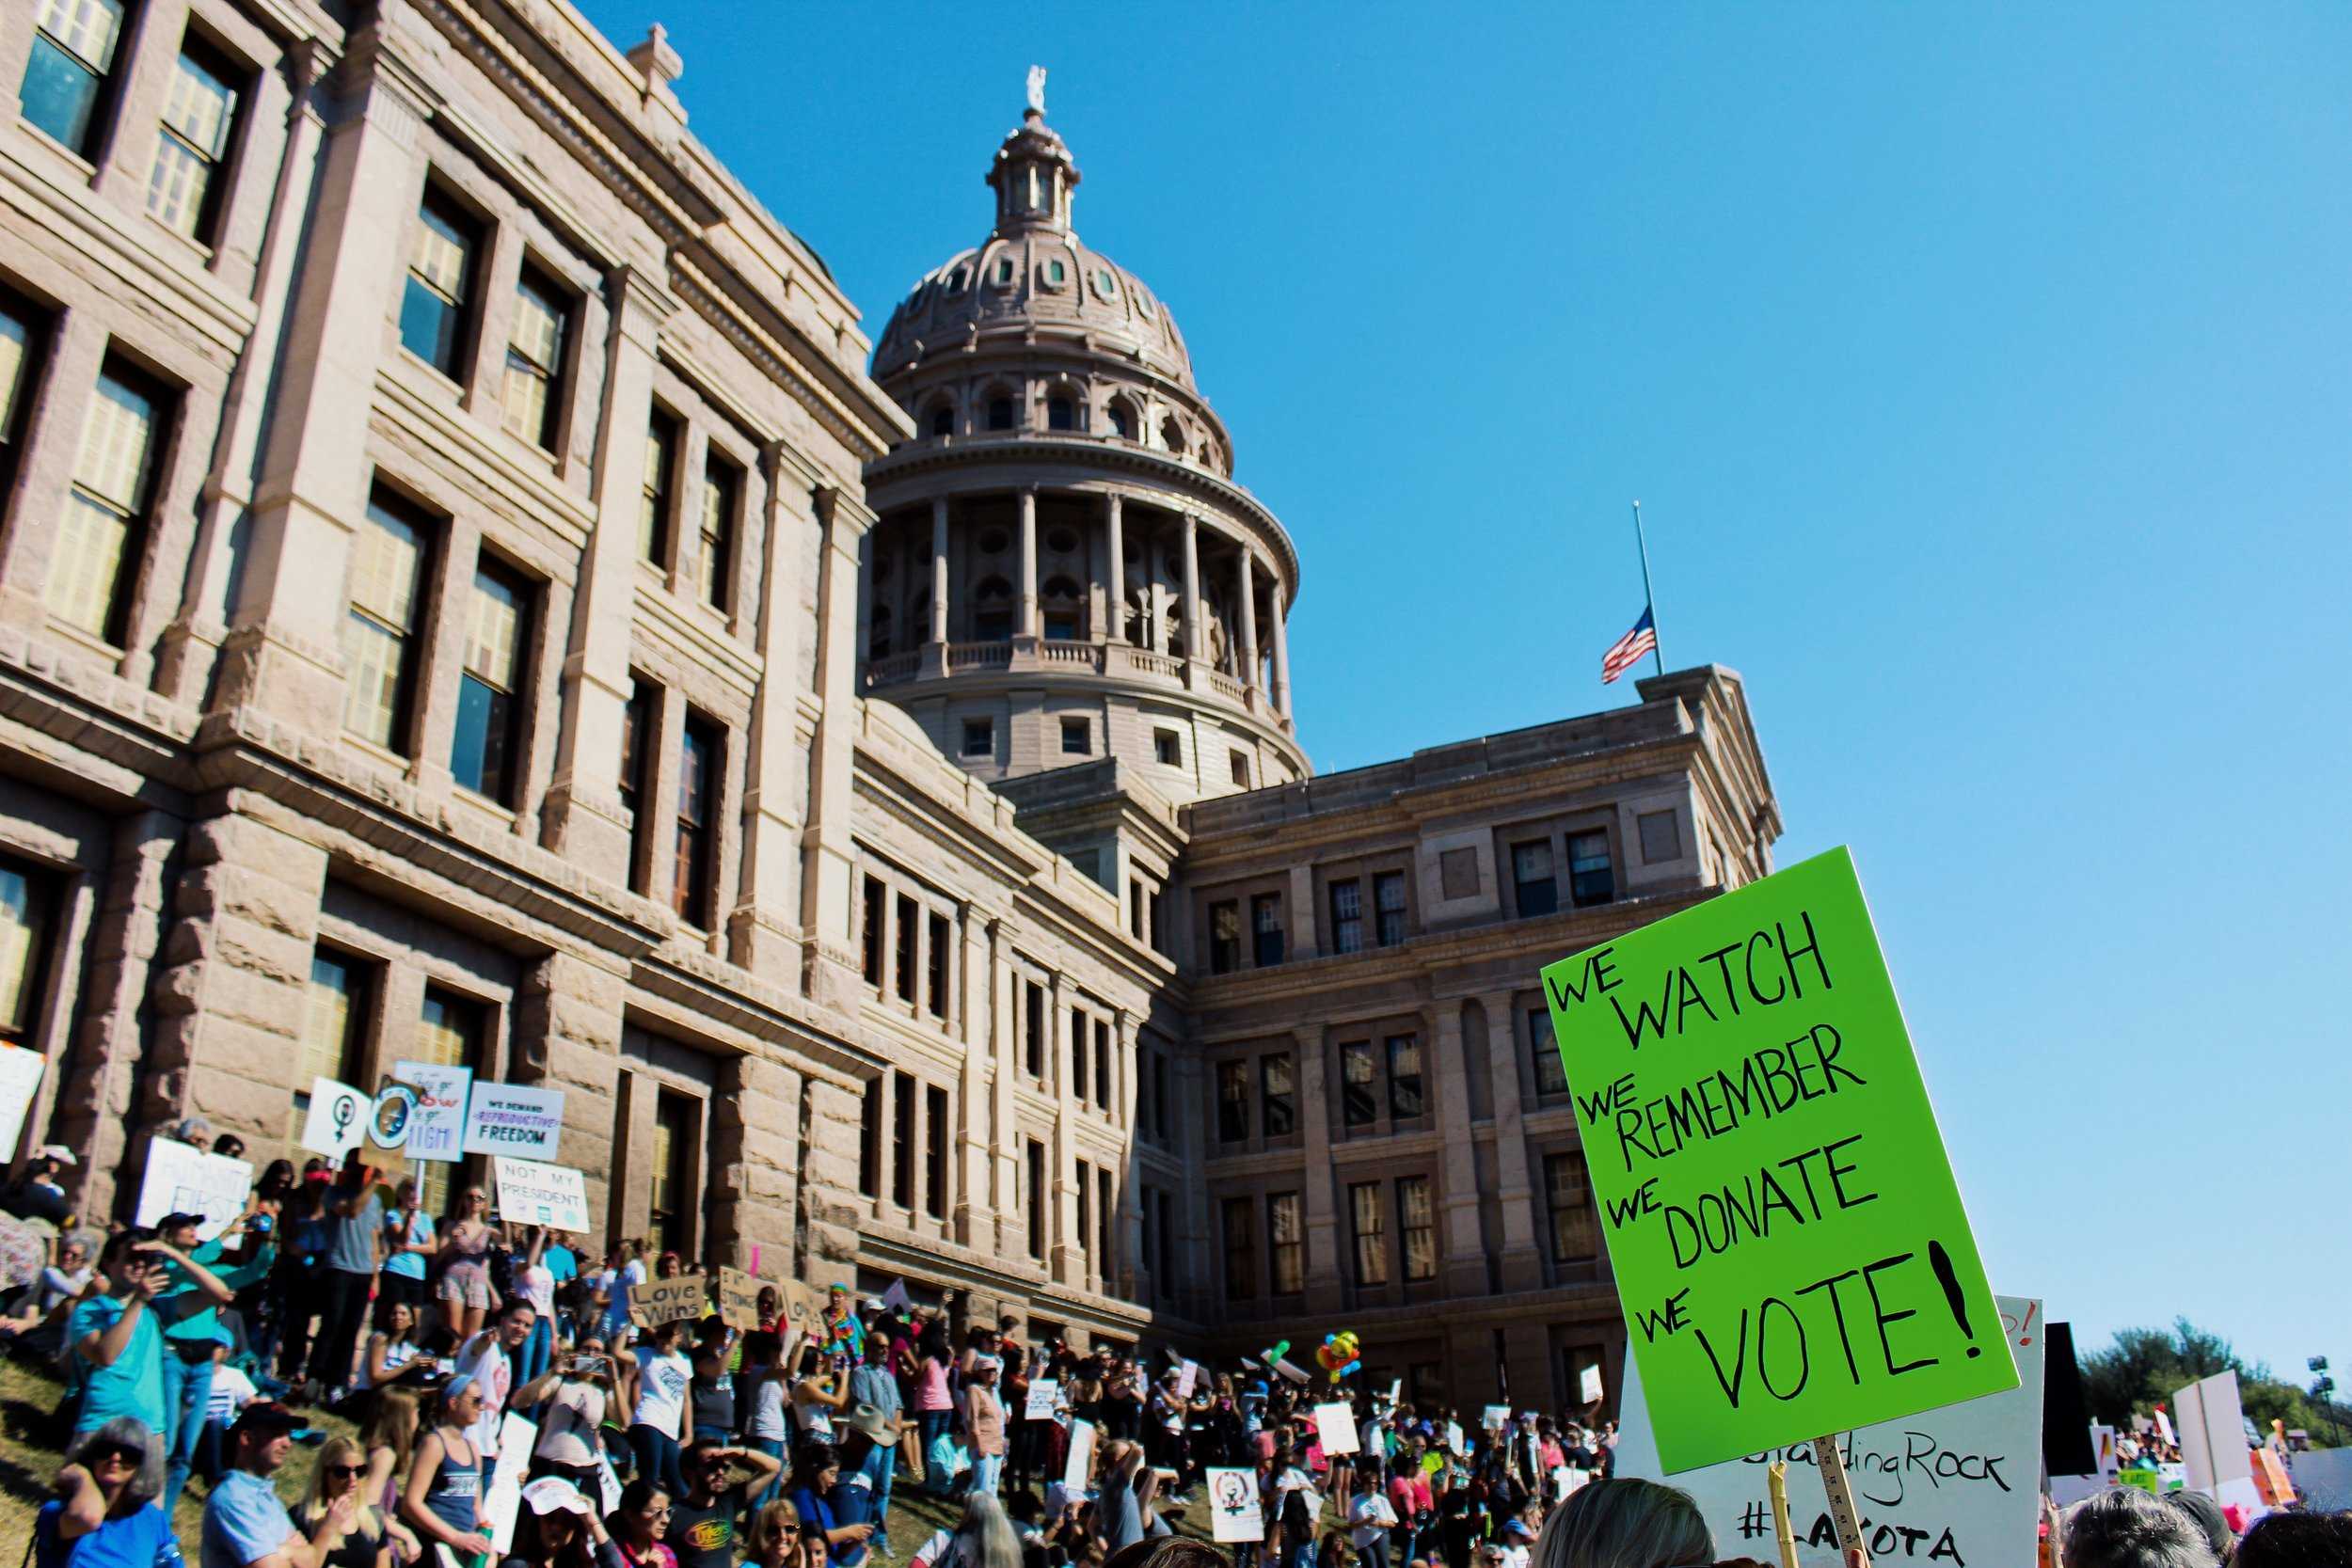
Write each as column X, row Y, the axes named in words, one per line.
column 639, row 1524
column 105, row 1511
column 244, row 1524
column 342, row 1472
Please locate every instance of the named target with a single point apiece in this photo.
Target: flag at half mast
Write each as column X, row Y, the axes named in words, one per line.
column 1629, row 650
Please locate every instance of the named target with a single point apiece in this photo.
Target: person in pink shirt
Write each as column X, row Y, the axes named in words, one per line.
column 984, row 1423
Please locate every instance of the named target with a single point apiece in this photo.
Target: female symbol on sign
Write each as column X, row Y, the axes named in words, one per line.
column 342, row 1114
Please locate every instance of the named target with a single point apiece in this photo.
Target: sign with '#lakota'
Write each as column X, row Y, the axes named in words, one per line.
column 515, row 1119
column 1788, row 1243
column 1958, row 1486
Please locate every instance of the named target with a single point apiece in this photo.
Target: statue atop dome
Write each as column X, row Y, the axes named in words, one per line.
column 1037, row 90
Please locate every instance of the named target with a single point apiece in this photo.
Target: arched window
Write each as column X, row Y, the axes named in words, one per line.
column 1000, row 412
column 1172, row 435
column 943, row 421
column 878, row 633
column 1061, row 414
column 1062, row 610
column 1123, row 419
column 992, row 611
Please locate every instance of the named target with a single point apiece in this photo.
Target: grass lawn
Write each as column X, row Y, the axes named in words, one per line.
column 28, row 1462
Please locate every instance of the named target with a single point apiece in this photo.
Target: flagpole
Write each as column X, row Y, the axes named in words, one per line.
column 1649, row 600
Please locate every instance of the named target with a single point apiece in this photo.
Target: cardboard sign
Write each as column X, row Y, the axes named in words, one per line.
column 2212, row 1440
column 2270, row 1480
column 436, row 1127
column 20, row 1077
column 1073, row 1475
column 515, row 1120
column 1234, row 1515
column 1043, row 1392
column 658, row 1300
column 1960, row 1484
column 1455, row 1441
column 337, row 1121
column 502, row 1498
column 533, row 1194
column 1187, row 1379
column 1788, row 1240
column 1588, row 1385
column 184, row 1181
column 1494, row 1417
column 735, row 1296
column 1335, row 1428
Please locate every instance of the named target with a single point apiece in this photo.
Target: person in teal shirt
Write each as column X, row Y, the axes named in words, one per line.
column 118, row 1340
column 187, row 1357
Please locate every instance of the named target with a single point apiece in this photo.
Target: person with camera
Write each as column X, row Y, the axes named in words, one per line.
column 576, row 1392
column 117, row 1336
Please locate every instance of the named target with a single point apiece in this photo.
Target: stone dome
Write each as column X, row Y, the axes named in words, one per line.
column 1033, row 273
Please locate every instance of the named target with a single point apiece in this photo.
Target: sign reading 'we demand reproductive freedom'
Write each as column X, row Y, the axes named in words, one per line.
column 1787, row 1238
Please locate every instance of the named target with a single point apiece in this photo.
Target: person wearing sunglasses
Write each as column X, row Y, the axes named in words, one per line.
column 640, row 1523
column 104, row 1512
column 118, row 1335
column 342, row 1469
column 775, row 1537
column 702, row 1523
column 244, row 1524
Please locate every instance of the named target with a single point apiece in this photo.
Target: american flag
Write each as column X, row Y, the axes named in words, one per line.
column 1626, row 651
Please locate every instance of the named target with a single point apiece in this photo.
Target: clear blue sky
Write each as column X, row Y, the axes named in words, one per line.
column 1984, row 371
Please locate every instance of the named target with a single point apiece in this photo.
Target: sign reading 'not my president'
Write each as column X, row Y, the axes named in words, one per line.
column 1787, row 1238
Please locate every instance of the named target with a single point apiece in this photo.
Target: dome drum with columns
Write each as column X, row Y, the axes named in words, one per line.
column 1063, row 568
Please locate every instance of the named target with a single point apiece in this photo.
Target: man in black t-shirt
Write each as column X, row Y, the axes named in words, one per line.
column 704, row 1523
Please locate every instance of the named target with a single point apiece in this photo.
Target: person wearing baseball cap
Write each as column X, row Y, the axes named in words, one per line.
column 245, row 1523
column 37, row 1195
column 554, row 1517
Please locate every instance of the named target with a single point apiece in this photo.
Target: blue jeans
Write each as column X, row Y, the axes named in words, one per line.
column 532, row 1358
column 773, row 1448
column 187, row 1391
column 984, row 1474
column 934, row 1423
column 882, row 1466
column 657, row 1458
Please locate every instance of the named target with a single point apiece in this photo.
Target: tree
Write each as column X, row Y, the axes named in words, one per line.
column 2144, row 1367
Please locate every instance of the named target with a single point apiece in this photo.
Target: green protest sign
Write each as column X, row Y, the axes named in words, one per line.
column 1788, row 1240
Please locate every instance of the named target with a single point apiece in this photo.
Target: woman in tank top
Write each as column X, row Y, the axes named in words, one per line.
column 443, row 1502
column 657, row 1426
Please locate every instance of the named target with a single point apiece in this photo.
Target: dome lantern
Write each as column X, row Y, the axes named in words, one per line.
column 1034, row 173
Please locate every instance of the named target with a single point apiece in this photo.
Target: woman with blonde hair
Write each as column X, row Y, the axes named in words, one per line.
column 342, row 1472
column 775, row 1537
column 1626, row 1524
column 387, row 1437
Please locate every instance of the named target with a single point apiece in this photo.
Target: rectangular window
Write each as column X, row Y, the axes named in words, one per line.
column 910, row 928
column 653, row 507
column 1224, row 937
column 677, row 1122
column 1163, row 1240
column 1144, row 1055
column 979, row 737
column 1086, row 1206
column 1033, row 1027
column 388, row 560
column 1232, row 1103
column 723, row 498
column 184, row 187
column 334, row 1020
column 1078, row 1052
column 876, row 916
column 436, row 309
column 1237, row 1222
column 1552, row 1078
column 1105, row 1208
column 1372, row 1240
column 532, row 396
column 1102, row 1064
column 486, row 752
column 938, row 956
column 1278, row 1093
column 902, row 1139
column 1347, row 916
column 1590, row 879
column 1287, row 1274
column 1265, row 929
column 1531, row 874
column 70, row 73
column 1037, row 1198
column 1405, row 1082
column 701, row 764
column 1569, row 1195
column 935, row 1152
column 1359, row 1085
column 637, row 750
column 869, row 1139
column 1387, row 896
column 1416, row 1228
column 1167, row 749
column 1241, row 768
column 1661, row 836
column 1077, row 737
column 453, row 1031
column 28, row 907
column 105, row 517
column 22, row 331
column 1162, row 1108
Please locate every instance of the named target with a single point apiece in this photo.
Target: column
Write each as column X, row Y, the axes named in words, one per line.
column 568, row 1037
column 1462, row 1256
column 1138, row 1275
column 1279, row 611
column 939, row 570
column 1005, row 1133
column 828, row 856
column 1523, row 1265
column 829, row 1118
column 1314, row 1138
column 1029, row 623
column 765, row 933
column 972, row 1218
column 1192, row 595
column 1064, row 1246
column 1248, row 670
column 1115, row 529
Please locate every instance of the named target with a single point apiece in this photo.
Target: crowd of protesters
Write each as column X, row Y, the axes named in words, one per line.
column 689, row 1441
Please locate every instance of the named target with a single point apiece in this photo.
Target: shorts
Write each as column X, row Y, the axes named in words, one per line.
column 407, row 1289
column 465, row 1285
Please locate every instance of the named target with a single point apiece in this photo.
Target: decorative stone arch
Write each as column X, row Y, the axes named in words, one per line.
column 1064, row 401
column 992, row 610
column 938, row 416
column 1173, row 435
column 1000, row 406
column 1122, row 417
column 1062, row 610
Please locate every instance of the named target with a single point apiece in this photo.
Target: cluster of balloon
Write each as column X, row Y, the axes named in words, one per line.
column 1337, row 1354
column 1273, row 1356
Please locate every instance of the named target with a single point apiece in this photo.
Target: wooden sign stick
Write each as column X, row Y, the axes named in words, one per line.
column 1776, row 1480
column 1841, row 1510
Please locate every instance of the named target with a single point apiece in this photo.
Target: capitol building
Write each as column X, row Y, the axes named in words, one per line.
column 473, row 591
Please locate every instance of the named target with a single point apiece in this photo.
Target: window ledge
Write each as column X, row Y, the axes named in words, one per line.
column 87, row 641
column 440, row 378
column 52, row 147
column 383, row 755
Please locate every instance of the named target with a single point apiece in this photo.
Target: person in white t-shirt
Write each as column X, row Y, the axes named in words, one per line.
column 488, row 1359
column 1369, row 1520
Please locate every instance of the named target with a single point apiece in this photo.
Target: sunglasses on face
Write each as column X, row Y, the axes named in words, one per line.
column 346, row 1472
column 118, row 1456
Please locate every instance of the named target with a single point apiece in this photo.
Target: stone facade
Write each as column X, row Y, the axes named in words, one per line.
column 463, row 597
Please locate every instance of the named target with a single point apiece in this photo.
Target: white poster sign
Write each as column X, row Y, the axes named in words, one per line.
column 1957, row 1485
column 338, row 1119
column 1041, row 1403
column 533, row 1194
column 437, row 1129
column 185, row 1180
column 2164, row 1430
column 1073, row 1475
column 515, row 1120
column 20, row 1075
column 608, row 1483
column 2212, row 1440
column 1234, row 1515
column 1588, row 1385
column 504, row 1496
column 1335, row 1428
column 1187, row 1379
column 1455, row 1441
column 1495, row 1418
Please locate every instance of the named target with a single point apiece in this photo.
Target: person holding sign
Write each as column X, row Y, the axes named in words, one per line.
column 659, row 1373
